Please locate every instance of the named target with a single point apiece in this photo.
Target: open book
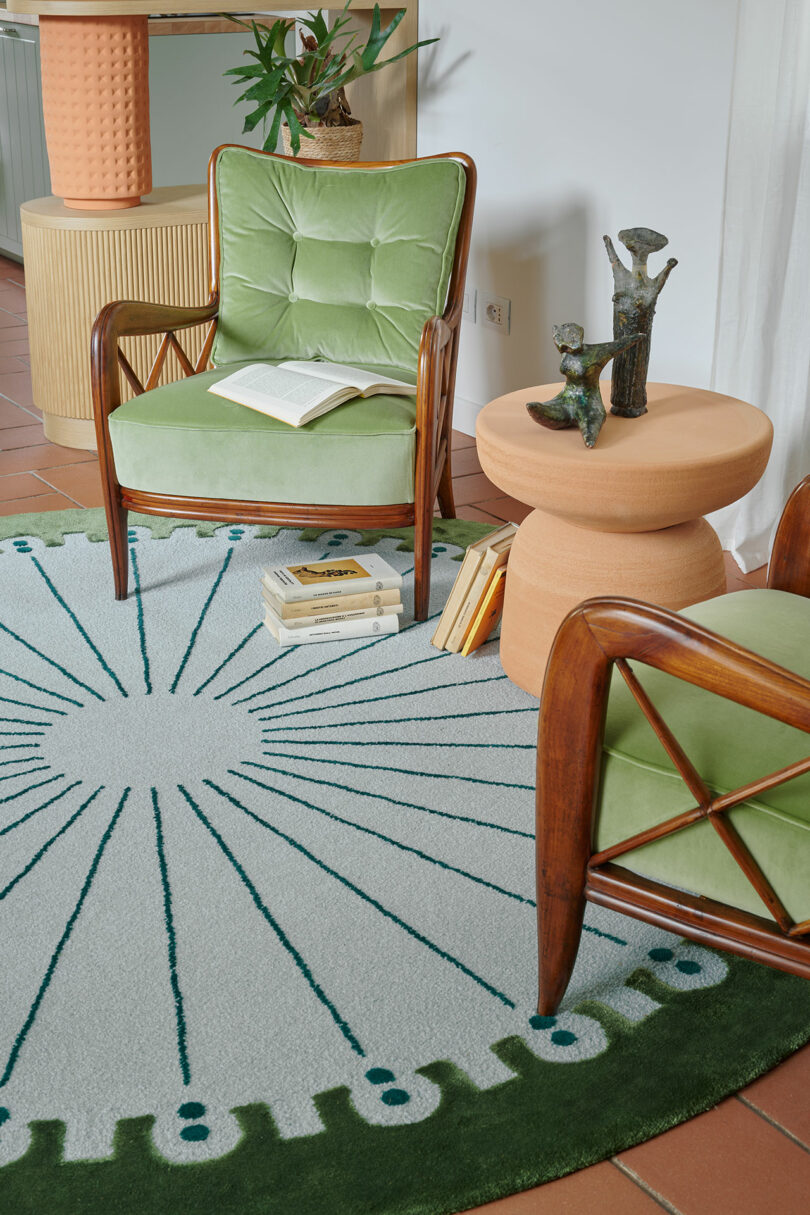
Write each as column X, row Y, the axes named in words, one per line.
column 297, row 392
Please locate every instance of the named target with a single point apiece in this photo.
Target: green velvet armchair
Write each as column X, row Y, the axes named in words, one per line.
column 362, row 264
column 673, row 775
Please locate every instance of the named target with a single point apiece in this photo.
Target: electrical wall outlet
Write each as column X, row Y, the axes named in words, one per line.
column 470, row 306
column 496, row 312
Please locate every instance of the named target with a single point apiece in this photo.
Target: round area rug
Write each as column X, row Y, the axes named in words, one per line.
column 267, row 930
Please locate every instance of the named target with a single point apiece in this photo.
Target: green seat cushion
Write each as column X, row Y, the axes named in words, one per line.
column 346, row 264
column 181, row 439
column 730, row 746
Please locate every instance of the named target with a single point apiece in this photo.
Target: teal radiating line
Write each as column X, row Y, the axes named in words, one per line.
column 284, row 940
column 19, row 822
column 27, row 772
column 448, row 957
column 168, row 917
column 23, row 746
column 323, row 665
column 38, row 785
column 234, row 686
column 381, row 797
column 81, row 629
column 39, row 855
column 23, row 759
column 52, row 662
column 377, row 742
column 23, row 721
column 199, row 623
column 63, row 940
column 37, row 687
column 336, row 687
column 141, row 633
column 386, row 839
column 26, row 704
column 225, row 661
column 366, row 700
column 390, row 721
column 351, row 763
column 319, row 667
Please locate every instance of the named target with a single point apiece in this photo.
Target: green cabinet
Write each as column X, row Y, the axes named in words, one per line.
column 23, row 159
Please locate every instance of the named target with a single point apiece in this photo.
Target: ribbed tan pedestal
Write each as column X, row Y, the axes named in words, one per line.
column 620, row 519
column 78, row 261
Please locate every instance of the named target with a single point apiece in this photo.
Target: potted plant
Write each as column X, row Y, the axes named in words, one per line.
column 305, row 95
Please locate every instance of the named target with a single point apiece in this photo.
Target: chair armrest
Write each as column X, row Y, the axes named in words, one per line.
column 789, row 567
column 132, row 318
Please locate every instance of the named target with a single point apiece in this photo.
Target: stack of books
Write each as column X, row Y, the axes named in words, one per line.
column 330, row 600
column 475, row 603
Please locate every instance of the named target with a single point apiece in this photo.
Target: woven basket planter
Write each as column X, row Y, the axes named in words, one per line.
column 328, row 143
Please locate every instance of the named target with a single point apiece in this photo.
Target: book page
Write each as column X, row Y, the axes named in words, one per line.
column 290, row 387
column 338, row 373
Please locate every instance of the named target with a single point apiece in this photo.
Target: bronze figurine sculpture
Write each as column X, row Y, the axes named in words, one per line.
column 580, row 401
column 634, row 301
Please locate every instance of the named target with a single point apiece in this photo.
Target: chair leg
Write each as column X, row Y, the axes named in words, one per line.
column 119, row 551
column 559, row 927
column 422, row 552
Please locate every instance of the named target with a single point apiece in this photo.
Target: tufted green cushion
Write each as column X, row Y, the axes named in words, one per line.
column 346, row 264
column 181, row 439
column 730, row 746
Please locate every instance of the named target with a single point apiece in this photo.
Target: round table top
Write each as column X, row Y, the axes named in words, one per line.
column 693, row 452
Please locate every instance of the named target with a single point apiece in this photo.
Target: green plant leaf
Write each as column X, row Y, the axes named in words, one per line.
column 252, row 120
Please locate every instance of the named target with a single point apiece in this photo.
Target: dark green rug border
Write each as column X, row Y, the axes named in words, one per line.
column 548, row 1120
column 52, row 526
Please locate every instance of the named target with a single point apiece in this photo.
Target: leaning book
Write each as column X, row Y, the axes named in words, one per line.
column 296, row 392
column 324, row 579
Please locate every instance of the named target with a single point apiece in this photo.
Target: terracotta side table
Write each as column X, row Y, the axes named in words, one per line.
column 623, row 518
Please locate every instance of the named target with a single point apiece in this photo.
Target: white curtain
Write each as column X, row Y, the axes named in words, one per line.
column 762, row 343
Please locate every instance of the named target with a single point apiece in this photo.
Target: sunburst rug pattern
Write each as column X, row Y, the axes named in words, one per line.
column 266, row 916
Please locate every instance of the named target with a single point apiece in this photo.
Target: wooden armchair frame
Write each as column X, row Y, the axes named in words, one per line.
column 436, row 375
column 595, row 636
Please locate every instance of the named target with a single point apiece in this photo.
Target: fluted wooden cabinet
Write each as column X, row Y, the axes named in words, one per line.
column 76, row 262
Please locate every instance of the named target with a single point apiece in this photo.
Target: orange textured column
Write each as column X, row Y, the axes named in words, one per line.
column 95, row 96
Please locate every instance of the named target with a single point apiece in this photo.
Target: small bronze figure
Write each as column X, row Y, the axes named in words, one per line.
column 634, row 301
column 580, row 402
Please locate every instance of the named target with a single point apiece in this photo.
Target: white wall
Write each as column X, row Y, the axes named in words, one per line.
column 583, row 117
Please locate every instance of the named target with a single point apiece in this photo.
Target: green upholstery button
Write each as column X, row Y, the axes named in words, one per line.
column 298, row 236
column 292, row 297
column 371, row 304
column 374, row 242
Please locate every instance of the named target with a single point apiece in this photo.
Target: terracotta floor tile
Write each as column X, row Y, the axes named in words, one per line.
column 22, row 436
column 14, row 341
column 9, row 321
column 82, row 482
column 46, row 501
column 465, row 461
column 21, row 485
column 47, row 455
column 600, row 1190
column 17, row 387
column 728, row 1161
column 783, row 1095
column 473, row 488
column 503, row 507
column 461, row 440
column 757, row 578
column 12, row 298
column 9, row 363
column 12, row 415
column 473, row 512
